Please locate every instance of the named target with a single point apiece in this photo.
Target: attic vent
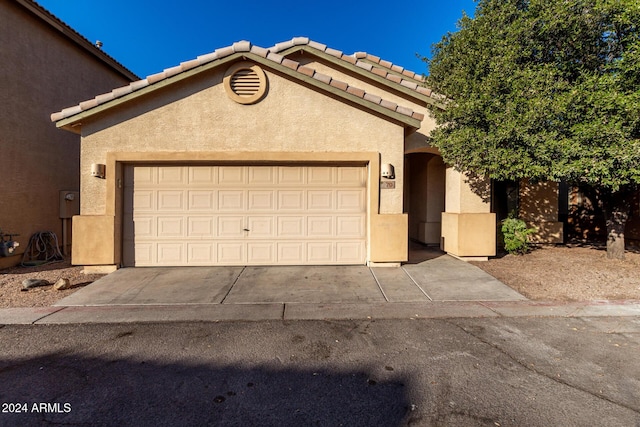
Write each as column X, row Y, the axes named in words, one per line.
column 245, row 83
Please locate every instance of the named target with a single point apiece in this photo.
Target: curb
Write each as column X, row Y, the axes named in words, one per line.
column 304, row 311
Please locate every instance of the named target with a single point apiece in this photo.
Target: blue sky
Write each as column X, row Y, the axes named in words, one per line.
column 148, row 37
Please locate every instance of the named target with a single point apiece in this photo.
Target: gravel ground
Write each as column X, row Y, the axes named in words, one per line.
column 11, row 294
column 551, row 273
column 565, row 273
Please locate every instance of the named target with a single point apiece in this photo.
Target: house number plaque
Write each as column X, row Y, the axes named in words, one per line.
column 386, row 185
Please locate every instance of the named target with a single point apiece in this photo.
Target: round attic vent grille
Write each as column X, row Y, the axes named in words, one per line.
column 245, row 83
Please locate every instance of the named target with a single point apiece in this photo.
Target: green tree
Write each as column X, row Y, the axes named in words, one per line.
column 545, row 90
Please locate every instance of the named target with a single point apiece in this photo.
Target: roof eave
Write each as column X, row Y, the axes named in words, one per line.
column 73, row 123
column 361, row 72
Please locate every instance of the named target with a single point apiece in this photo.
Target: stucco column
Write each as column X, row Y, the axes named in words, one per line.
column 468, row 226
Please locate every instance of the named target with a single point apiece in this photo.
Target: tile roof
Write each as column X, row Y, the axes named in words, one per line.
column 368, row 62
column 270, row 55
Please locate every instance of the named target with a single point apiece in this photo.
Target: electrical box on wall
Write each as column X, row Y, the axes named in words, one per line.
column 69, row 204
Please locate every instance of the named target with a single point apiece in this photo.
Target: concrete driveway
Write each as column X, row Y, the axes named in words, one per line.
column 438, row 277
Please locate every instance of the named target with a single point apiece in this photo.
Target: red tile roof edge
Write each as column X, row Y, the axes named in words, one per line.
column 238, row 47
column 355, row 59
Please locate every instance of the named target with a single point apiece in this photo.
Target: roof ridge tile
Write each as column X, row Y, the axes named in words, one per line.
column 300, row 41
column 334, row 52
column 208, row 57
column 242, row 46
column 317, row 45
column 224, row 51
column 260, row 51
column 278, row 47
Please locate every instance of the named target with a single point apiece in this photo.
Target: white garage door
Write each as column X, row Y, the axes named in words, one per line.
column 244, row 215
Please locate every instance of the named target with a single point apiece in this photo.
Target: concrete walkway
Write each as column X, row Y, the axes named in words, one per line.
column 436, row 286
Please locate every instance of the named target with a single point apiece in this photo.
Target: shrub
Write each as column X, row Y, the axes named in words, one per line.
column 516, row 235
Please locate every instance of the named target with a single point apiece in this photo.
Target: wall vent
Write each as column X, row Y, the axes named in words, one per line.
column 245, row 83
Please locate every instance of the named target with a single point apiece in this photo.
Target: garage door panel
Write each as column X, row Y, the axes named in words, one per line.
column 350, row 200
column 200, row 227
column 231, row 175
column 262, row 175
column 231, row 200
column 172, row 175
column 261, row 200
column 200, row 253
column 170, row 253
column 292, row 175
column 143, row 175
column 320, row 226
column 171, row 226
column 320, row 200
column 291, row 227
column 144, row 254
column 170, row 200
column 350, row 226
column 291, row 253
column 201, row 200
column 291, row 200
column 349, row 252
column 203, row 175
column 230, row 253
column 231, row 227
column 351, row 176
column 320, row 252
column 261, row 227
column 261, row 253
column 238, row 215
column 323, row 176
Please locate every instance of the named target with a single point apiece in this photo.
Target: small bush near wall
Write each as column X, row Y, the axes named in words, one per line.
column 516, row 235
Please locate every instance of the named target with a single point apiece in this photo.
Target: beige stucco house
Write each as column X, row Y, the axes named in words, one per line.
column 44, row 66
column 292, row 155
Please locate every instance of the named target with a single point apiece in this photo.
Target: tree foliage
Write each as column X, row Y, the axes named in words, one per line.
column 543, row 89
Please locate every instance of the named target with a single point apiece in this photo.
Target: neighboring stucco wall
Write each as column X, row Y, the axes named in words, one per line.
column 196, row 121
column 538, row 207
column 41, row 71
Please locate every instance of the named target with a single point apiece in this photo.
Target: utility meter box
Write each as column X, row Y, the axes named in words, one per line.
column 69, row 204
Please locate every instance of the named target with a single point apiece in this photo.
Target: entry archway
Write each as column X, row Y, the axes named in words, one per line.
column 425, row 195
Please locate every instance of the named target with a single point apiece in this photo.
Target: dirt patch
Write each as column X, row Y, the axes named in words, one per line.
column 11, row 294
column 566, row 273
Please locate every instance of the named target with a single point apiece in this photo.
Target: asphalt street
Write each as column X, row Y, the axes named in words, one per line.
column 424, row 372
